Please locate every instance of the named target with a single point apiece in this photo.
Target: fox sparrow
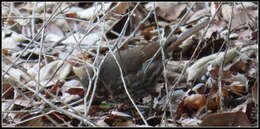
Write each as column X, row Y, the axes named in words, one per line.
column 140, row 77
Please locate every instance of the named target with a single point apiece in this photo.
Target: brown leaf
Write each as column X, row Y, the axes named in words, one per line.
column 214, row 7
column 190, row 104
column 119, row 120
column 237, row 88
column 76, row 91
column 170, row 11
column 5, row 52
column 195, row 101
column 239, row 66
column 37, row 121
column 121, row 7
column 147, row 32
column 72, row 15
column 7, row 91
column 58, row 117
column 34, row 122
column 198, row 14
column 215, row 72
column 55, row 89
column 226, row 119
column 213, row 103
column 240, row 16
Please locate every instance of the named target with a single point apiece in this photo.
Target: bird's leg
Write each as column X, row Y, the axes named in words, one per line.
column 151, row 107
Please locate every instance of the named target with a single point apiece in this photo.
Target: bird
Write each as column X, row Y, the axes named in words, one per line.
column 141, row 69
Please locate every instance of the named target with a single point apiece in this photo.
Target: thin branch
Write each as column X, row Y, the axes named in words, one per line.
column 36, row 35
column 126, row 90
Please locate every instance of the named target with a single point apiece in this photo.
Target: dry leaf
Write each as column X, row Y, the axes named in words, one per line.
column 214, row 7
column 34, row 122
column 54, row 89
column 50, row 69
column 226, row 119
column 121, row 7
column 200, row 66
column 168, row 10
column 93, row 11
column 240, row 16
column 198, row 14
column 195, row 101
column 76, row 91
column 119, row 119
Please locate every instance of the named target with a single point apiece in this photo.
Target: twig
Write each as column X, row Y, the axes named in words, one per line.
column 36, row 35
column 163, row 58
column 249, row 16
column 188, row 63
column 102, row 61
column 41, row 17
column 40, row 53
column 126, row 90
column 124, row 29
column 220, row 72
column 79, row 117
column 171, row 34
